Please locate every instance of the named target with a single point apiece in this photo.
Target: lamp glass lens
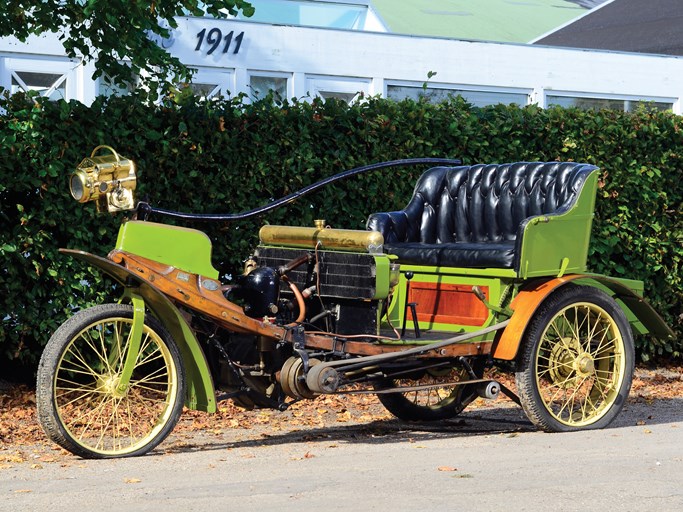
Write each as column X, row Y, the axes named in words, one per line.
column 77, row 188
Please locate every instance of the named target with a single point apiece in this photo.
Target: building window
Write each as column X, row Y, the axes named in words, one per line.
column 205, row 91
column 345, row 89
column 347, row 97
column 212, row 84
column 108, row 87
column 594, row 103
column 49, row 85
column 262, row 85
column 478, row 98
column 661, row 106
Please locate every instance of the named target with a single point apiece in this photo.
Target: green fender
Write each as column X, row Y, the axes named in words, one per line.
column 629, row 295
column 200, row 394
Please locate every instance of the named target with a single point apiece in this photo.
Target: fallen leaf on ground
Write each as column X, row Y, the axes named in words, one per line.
column 19, row 426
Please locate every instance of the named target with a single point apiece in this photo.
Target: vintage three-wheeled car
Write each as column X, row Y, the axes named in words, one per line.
column 485, row 264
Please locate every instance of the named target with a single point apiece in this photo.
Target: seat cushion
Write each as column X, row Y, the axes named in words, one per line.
column 457, row 254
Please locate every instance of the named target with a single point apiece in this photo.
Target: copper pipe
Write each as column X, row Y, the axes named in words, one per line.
column 285, row 269
column 299, row 300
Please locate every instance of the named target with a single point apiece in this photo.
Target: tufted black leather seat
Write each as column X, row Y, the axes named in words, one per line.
column 474, row 216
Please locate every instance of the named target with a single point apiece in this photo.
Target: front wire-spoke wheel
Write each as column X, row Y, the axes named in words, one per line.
column 576, row 362
column 84, row 406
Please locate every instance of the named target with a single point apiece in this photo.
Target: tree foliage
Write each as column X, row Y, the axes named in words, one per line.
column 118, row 35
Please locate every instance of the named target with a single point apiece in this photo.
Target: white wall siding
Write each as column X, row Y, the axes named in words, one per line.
column 352, row 61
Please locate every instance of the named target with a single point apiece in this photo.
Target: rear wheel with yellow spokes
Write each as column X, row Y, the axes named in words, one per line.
column 86, row 404
column 576, row 361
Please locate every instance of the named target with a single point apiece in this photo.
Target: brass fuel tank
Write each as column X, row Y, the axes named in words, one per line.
column 352, row 240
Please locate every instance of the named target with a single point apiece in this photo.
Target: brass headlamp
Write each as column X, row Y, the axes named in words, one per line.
column 108, row 179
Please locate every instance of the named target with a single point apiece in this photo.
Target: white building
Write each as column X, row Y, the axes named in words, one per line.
column 354, row 53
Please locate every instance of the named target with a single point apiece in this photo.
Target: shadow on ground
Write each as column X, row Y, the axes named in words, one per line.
column 504, row 420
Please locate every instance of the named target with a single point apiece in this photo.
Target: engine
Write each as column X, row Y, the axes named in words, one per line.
column 336, row 280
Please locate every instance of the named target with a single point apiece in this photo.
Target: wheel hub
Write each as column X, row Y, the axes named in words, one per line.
column 111, row 385
column 561, row 364
column 569, row 365
column 584, row 365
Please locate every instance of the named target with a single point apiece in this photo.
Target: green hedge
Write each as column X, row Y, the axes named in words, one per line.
column 228, row 156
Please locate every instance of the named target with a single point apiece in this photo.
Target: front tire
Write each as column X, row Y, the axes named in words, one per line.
column 82, row 405
column 576, row 361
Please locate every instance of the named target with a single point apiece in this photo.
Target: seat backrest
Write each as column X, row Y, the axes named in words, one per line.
column 481, row 203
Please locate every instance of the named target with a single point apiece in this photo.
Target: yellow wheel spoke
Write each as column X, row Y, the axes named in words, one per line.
column 130, row 421
column 560, row 388
column 554, row 368
column 149, row 359
column 560, row 337
column 589, row 401
column 604, row 358
column 64, row 380
column 84, row 391
column 144, row 344
column 150, row 402
column 117, row 362
column 80, row 389
column 89, row 415
column 599, row 348
column 80, row 398
column 584, row 407
column 604, row 382
column 585, row 319
column 556, row 396
column 158, row 373
column 122, row 348
column 571, row 398
column 77, row 354
column 93, row 349
column 77, row 372
column 591, row 332
column 433, row 398
column 574, row 329
column 103, row 354
column 104, row 427
column 151, row 390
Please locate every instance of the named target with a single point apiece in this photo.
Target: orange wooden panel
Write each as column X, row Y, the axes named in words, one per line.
column 453, row 304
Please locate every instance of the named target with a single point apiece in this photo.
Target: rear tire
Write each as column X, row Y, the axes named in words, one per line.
column 81, row 404
column 576, row 361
